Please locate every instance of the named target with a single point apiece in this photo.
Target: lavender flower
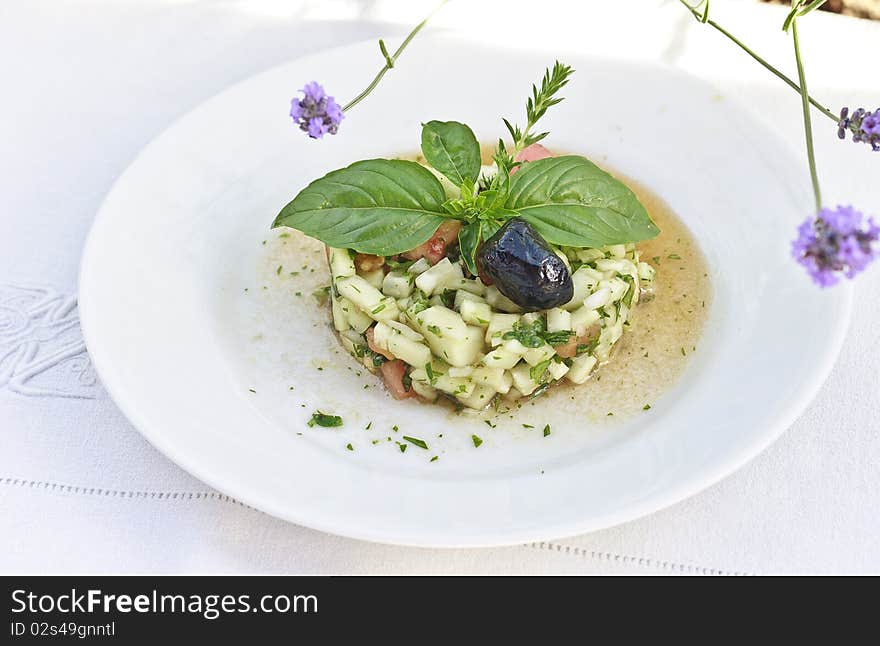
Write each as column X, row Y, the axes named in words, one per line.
column 837, row 242
column 316, row 113
column 864, row 126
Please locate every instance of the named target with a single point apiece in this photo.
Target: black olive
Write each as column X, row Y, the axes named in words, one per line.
column 520, row 263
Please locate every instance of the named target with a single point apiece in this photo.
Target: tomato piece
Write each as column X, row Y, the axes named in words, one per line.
column 434, row 249
column 392, row 373
column 531, row 153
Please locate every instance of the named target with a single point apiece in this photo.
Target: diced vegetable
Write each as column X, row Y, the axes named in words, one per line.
column 341, row 263
column 397, row 284
column 402, row 342
column 558, row 320
column 476, row 313
column 580, row 369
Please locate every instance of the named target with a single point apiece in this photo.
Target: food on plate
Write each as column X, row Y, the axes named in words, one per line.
column 464, row 278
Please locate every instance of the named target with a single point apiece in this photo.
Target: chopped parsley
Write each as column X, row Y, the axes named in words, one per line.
column 349, row 447
column 414, row 440
column 537, row 371
column 489, row 423
column 448, row 298
column 279, row 270
column 433, row 329
column 477, row 441
column 434, row 459
column 535, row 334
column 527, row 426
column 325, row 420
column 646, row 407
column 674, row 256
column 378, row 308
column 432, row 378
column 546, row 430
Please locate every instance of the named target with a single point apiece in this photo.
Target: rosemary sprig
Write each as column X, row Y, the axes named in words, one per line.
column 554, row 80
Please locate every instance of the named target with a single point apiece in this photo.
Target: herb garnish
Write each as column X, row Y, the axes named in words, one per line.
column 414, row 440
column 546, row 430
column 476, row 440
column 325, row 420
column 535, row 335
column 388, row 206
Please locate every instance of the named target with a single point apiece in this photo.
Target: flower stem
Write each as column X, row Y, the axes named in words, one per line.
column 794, row 86
column 390, row 60
column 808, row 125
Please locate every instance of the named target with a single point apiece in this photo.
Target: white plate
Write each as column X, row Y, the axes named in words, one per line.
column 179, row 344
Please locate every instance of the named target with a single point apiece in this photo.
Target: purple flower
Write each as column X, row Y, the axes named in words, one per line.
column 864, row 126
column 837, row 242
column 316, row 113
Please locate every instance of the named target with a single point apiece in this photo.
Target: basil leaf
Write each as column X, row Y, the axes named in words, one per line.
column 468, row 242
column 572, row 202
column 452, row 149
column 470, row 237
column 377, row 206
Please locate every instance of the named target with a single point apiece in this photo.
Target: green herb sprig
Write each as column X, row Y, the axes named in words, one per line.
column 388, row 206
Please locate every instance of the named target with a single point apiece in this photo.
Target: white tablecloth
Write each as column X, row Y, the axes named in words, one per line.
column 87, row 83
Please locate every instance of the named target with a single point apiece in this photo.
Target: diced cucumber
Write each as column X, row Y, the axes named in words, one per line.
column 585, row 280
column 340, row 320
column 419, row 266
column 496, row 378
column 499, row 301
column 374, row 277
column 599, row 298
column 465, row 371
column 580, row 368
column 401, row 341
column 616, row 250
column 479, row 398
column 468, row 285
column 424, row 390
column 397, row 284
column 461, row 296
column 438, row 276
column 522, row 380
column 501, row 358
column 583, row 319
column 499, row 324
column 619, row 266
column 646, row 271
column 534, row 356
column 514, row 347
column 558, row 320
column 341, row 263
column 462, row 352
column 589, row 255
column 378, row 306
column 617, row 286
column 557, row 369
column 458, row 386
column 357, row 319
column 476, row 313
column 440, row 323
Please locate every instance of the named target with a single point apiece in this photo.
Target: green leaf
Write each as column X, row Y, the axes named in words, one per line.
column 573, row 202
column 377, row 206
column 325, row 420
column 469, row 237
column 452, row 149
